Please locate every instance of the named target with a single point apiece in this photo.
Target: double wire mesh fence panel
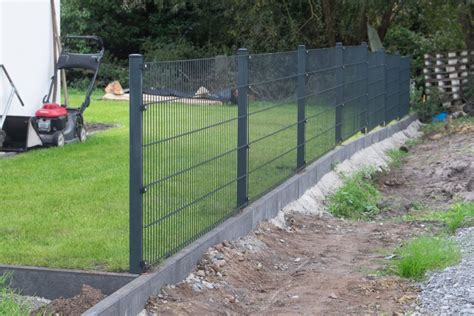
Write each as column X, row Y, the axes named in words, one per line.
column 272, row 120
column 392, row 87
column 404, row 88
column 323, row 85
column 354, row 107
column 189, row 151
column 209, row 135
column 376, row 89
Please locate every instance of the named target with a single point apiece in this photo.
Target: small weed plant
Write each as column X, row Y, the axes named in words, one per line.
column 425, row 253
column 357, row 198
column 396, row 156
column 458, row 215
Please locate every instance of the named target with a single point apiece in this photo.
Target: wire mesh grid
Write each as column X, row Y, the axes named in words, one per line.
column 189, row 132
column 215, row 133
column 376, row 89
column 272, row 121
column 392, row 87
column 321, row 101
column 354, row 109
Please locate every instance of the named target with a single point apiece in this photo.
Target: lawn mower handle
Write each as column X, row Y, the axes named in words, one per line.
column 71, row 60
column 93, row 38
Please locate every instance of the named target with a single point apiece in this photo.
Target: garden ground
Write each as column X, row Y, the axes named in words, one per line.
column 333, row 266
column 68, row 207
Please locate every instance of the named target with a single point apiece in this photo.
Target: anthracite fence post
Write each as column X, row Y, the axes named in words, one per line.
column 242, row 125
column 136, row 163
column 301, row 97
column 399, row 69
column 382, row 122
column 340, row 90
column 365, row 117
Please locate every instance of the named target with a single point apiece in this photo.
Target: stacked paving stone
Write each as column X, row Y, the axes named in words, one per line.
column 448, row 72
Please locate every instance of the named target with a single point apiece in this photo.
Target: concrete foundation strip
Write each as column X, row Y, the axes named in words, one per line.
column 131, row 298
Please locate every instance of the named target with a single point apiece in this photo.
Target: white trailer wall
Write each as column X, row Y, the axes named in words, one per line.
column 26, row 50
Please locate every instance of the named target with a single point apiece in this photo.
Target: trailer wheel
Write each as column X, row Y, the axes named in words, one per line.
column 58, row 139
column 82, row 134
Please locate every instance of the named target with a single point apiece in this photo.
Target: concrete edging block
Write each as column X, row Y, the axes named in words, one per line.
column 54, row 283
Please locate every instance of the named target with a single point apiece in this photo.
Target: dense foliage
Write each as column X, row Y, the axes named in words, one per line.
column 177, row 29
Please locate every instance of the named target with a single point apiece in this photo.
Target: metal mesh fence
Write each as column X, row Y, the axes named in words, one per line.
column 272, row 120
column 392, row 86
column 189, row 146
column 376, row 89
column 354, row 106
column 321, row 100
column 209, row 135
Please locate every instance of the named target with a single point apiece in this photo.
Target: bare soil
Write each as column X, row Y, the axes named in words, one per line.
column 72, row 306
column 437, row 172
column 97, row 127
column 325, row 265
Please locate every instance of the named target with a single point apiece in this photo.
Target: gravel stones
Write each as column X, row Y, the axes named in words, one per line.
column 451, row 291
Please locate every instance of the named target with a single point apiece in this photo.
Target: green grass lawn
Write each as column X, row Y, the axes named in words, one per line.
column 10, row 302
column 68, row 207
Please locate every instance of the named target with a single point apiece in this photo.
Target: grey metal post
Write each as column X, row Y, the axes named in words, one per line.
column 136, row 163
column 365, row 118
column 387, row 92
column 408, row 70
column 301, row 97
column 399, row 69
column 384, row 87
column 242, row 125
column 340, row 90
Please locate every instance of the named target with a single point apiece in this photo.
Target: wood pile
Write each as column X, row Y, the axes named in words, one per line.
column 448, row 73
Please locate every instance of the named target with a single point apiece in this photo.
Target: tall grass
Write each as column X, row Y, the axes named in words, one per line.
column 396, row 157
column 458, row 215
column 424, row 253
column 9, row 301
column 356, row 199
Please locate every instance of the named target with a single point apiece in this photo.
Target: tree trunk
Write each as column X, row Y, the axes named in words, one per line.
column 328, row 11
column 465, row 18
column 363, row 37
column 386, row 20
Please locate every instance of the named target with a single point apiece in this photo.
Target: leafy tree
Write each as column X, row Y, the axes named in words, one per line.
column 177, row 29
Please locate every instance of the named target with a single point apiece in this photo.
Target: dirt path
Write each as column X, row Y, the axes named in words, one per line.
column 437, row 171
column 327, row 265
column 320, row 266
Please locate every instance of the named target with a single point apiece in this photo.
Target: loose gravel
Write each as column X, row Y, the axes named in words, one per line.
column 451, row 291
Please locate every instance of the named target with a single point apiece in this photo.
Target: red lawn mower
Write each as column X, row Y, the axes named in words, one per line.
column 54, row 124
